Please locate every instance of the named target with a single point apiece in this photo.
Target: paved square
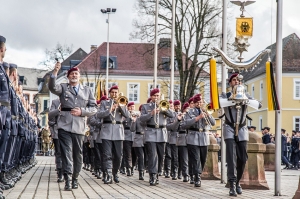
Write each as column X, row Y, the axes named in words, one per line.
column 40, row 182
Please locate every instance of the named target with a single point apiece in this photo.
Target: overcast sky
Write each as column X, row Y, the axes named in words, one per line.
column 31, row 26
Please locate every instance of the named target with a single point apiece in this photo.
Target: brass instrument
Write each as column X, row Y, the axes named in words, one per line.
column 207, row 109
column 163, row 104
column 122, row 100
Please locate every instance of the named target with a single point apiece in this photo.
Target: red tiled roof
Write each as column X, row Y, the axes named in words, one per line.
column 132, row 59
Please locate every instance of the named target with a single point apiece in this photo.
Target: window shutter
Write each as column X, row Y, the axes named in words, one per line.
column 297, row 89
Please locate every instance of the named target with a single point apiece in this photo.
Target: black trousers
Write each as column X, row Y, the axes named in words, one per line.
column 112, row 154
column 168, row 158
column 183, row 160
column 57, row 153
column 296, row 159
column 100, row 149
column 140, row 153
column 97, row 156
column 71, row 151
column 236, row 158
column 129, row 155
column 198, row 156
column 156, row 151
column 174, row 157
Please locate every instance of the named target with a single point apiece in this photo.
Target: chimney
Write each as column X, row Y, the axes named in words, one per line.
column 164, row 43
column 93, row 47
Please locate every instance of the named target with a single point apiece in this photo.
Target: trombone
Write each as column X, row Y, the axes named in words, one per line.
column 206, row 108
column 163, row 106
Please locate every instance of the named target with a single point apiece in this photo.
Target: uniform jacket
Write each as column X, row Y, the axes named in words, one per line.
column 194, row 137
column 111, row 131
column 181, row 132
column 127, row 132
column 138, row 126
column 229, row 130
column 52, row 118
column 84, row 100
column 283, row 143
column 295, row 143
column 172, row 132
column 155, row 134
column 266, row 138
column 96, row 123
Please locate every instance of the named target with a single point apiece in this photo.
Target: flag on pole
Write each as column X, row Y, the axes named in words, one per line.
column 273, row 103
column 214, row 96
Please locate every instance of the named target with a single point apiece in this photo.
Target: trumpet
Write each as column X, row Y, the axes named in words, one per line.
column 87, row 133
column 122, row 100
column 134, row 114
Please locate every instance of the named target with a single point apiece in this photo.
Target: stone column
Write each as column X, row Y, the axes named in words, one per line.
column 211, row 169
column 269, row 157
column 254, row 173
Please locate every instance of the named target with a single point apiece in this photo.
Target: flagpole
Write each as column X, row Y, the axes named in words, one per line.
column 279, row 93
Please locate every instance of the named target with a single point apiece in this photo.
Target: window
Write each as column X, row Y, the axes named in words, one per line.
column 260, row 122
column 150, row 87
column 176, row 91
column 166, row 63
column 133, row 92
column 297, row 89
column 45, row 105
column 112, row 62
column 44, row 121
column 297, row 123
column 249, row 122
column 261, row 91
column 111, row 84
column 91, row 85
column 252, row 91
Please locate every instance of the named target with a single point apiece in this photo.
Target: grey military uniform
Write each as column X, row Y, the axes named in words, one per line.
column 128, row 133
column 197, row 131
column 52, row 117
column 153, row 134
column 173, row 133
column 84, row 100
column 138, row 128
column 177, row 126
column 110, row 131
column 96, row 123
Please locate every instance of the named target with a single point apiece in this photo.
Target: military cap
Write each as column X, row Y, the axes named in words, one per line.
column 2, row 39
column 13, row 66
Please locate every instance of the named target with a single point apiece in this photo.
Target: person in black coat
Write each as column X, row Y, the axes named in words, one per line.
column 266, row 137
column 296, row 150
column 284, row 159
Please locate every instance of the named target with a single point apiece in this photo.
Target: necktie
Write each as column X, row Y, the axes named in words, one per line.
column 74, row 87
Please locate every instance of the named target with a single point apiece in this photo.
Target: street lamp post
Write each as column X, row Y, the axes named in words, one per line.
column 107, row 11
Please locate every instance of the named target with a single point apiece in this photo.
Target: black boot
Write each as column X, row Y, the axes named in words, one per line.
column 84, row 166
column 104, row 176
column 239, row 189
column 74, row 183
column 174, row 174
column 141, row 175
column 167, row 174
column 185, row 178
column 87, row 167
column 116, row 178
column 157, row 180
column 192, row 179
column 128, row 171
column 59, row 176
column 5, row 181
column 232, row 189
column 99, row 174
column 108, row 179
column 122, row 170
column 67, row 182
column 197, row 181
column 152, row 180
column 132, row 171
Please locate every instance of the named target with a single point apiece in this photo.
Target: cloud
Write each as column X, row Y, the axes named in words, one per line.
column 31, row 26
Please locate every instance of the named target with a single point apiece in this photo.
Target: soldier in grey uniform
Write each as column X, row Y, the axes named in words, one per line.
column 155, row 134
column 173, row 133
column 128, row 154
column 138, row 128
column 236, row 147
column 52, row 122
column 77, row 103
column 197, row 137
column 168, row 153
column 112, row 134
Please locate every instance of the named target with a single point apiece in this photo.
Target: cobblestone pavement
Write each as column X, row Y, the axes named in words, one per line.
column 40, row 182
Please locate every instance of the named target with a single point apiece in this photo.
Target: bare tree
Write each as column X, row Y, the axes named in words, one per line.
column 196, row 31
column 60, row 52
column 91, row 72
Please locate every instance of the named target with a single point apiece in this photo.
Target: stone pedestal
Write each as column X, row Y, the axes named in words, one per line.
column 297, row 194
column 254, row 173
column 269, row 157
column 211, row 169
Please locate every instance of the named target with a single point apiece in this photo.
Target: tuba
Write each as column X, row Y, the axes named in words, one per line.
column 122, row 100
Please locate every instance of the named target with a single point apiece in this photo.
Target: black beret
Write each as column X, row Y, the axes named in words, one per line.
column 266, row 128
column 13, row 66
column 5, row 65
column 2, row 39
column 283, row 130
